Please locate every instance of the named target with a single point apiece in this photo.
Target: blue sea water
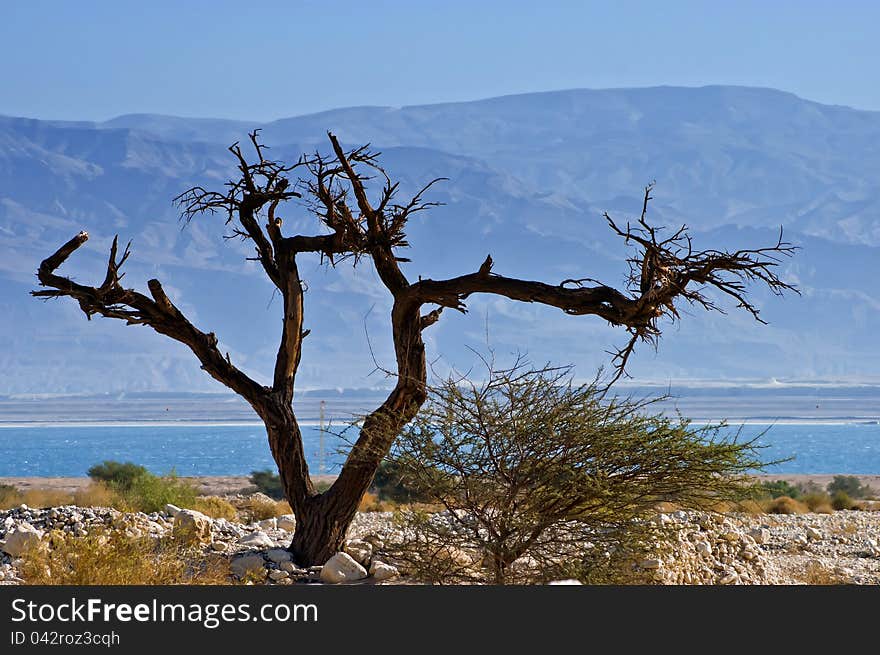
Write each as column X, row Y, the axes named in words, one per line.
column 67, row 451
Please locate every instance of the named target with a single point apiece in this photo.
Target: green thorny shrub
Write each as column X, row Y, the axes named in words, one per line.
column 541, row 478
column 142, row 491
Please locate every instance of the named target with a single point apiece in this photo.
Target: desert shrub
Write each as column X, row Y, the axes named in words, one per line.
column 841, row 500
column 120, row 475
column 98, row 494
column 268, row 482
column 139, row 490
column 786, row 505
column 778, row 488
column 816, row 573
column 258, row 509
column 9, row 496
column 530, row 466
column 115, row 558
column 150, row 493
column 849, row 485
column 215, row 507
column 389, row 484
column 818, row 502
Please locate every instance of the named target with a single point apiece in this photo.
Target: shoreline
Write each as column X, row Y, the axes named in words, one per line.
column 233, row 484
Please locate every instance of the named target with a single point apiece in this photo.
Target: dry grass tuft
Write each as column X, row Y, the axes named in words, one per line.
column 815, row 573
column 786, row 505
column 258, row 509
column 215, row 507
column 118, row 559
column 98, row 494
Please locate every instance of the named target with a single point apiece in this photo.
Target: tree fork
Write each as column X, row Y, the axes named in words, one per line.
column 662, row 272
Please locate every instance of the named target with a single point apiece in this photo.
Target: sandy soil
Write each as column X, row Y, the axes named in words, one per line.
column 230, row 484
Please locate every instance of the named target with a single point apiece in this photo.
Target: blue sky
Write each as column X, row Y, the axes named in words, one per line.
column 264, row 60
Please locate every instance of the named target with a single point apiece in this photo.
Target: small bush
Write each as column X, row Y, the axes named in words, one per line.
column 120, row 475
column 268, row 482
column 118, row 559
column 849, row 485
column 779, row 488
column 389, row 484
column 786, row 505
column 259, row 509
column 841, row 500
column 373, row 503
column 818, row 502
column 150, row 493
column 215, row 507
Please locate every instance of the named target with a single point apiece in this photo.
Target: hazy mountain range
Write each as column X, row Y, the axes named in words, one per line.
column 530, row 176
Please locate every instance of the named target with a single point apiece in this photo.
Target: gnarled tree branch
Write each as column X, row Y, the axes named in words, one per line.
column 111, row 300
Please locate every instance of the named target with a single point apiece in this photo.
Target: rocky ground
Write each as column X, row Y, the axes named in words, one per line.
column 701, row 548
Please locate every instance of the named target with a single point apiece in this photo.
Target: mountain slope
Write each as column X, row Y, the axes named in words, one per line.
column 529, row 179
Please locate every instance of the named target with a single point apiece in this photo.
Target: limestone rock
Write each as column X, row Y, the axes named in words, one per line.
column 248, row 565
column 382, row 571
column 760, row 535
column 257, row 540
column 21, row 539
column 651, row 564
column 569, row 581
column 171, row 509
column 191, row 526
column 361, row 551
column 268, row 524
column 278, row 555
column 287, row 522
column 342, row 568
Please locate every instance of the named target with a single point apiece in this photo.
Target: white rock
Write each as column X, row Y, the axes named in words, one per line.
column 257, row 540
column 651, row 564
column 814, row 534
column 703, row 548
column 382, row 571
column 191, row 526
column 287, row 522
column 728, row 577
column 342, row 568
column 248, row 565
column 760, row 535
column 278, row 575
column 361, row 551
column 278, row 555
column 570, row 581
column 269, row 524
column 171, row 509
column 290, row 567
column 21, row 539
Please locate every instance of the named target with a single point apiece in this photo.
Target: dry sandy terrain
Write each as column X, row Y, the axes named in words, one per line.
column 230, row 484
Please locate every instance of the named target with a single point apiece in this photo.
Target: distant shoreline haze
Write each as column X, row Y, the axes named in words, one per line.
column 774, row 404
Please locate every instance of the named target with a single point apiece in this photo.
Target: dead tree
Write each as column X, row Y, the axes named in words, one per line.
column 336, row 188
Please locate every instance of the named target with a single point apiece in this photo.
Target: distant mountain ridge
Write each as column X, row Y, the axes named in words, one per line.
column 530, row 176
